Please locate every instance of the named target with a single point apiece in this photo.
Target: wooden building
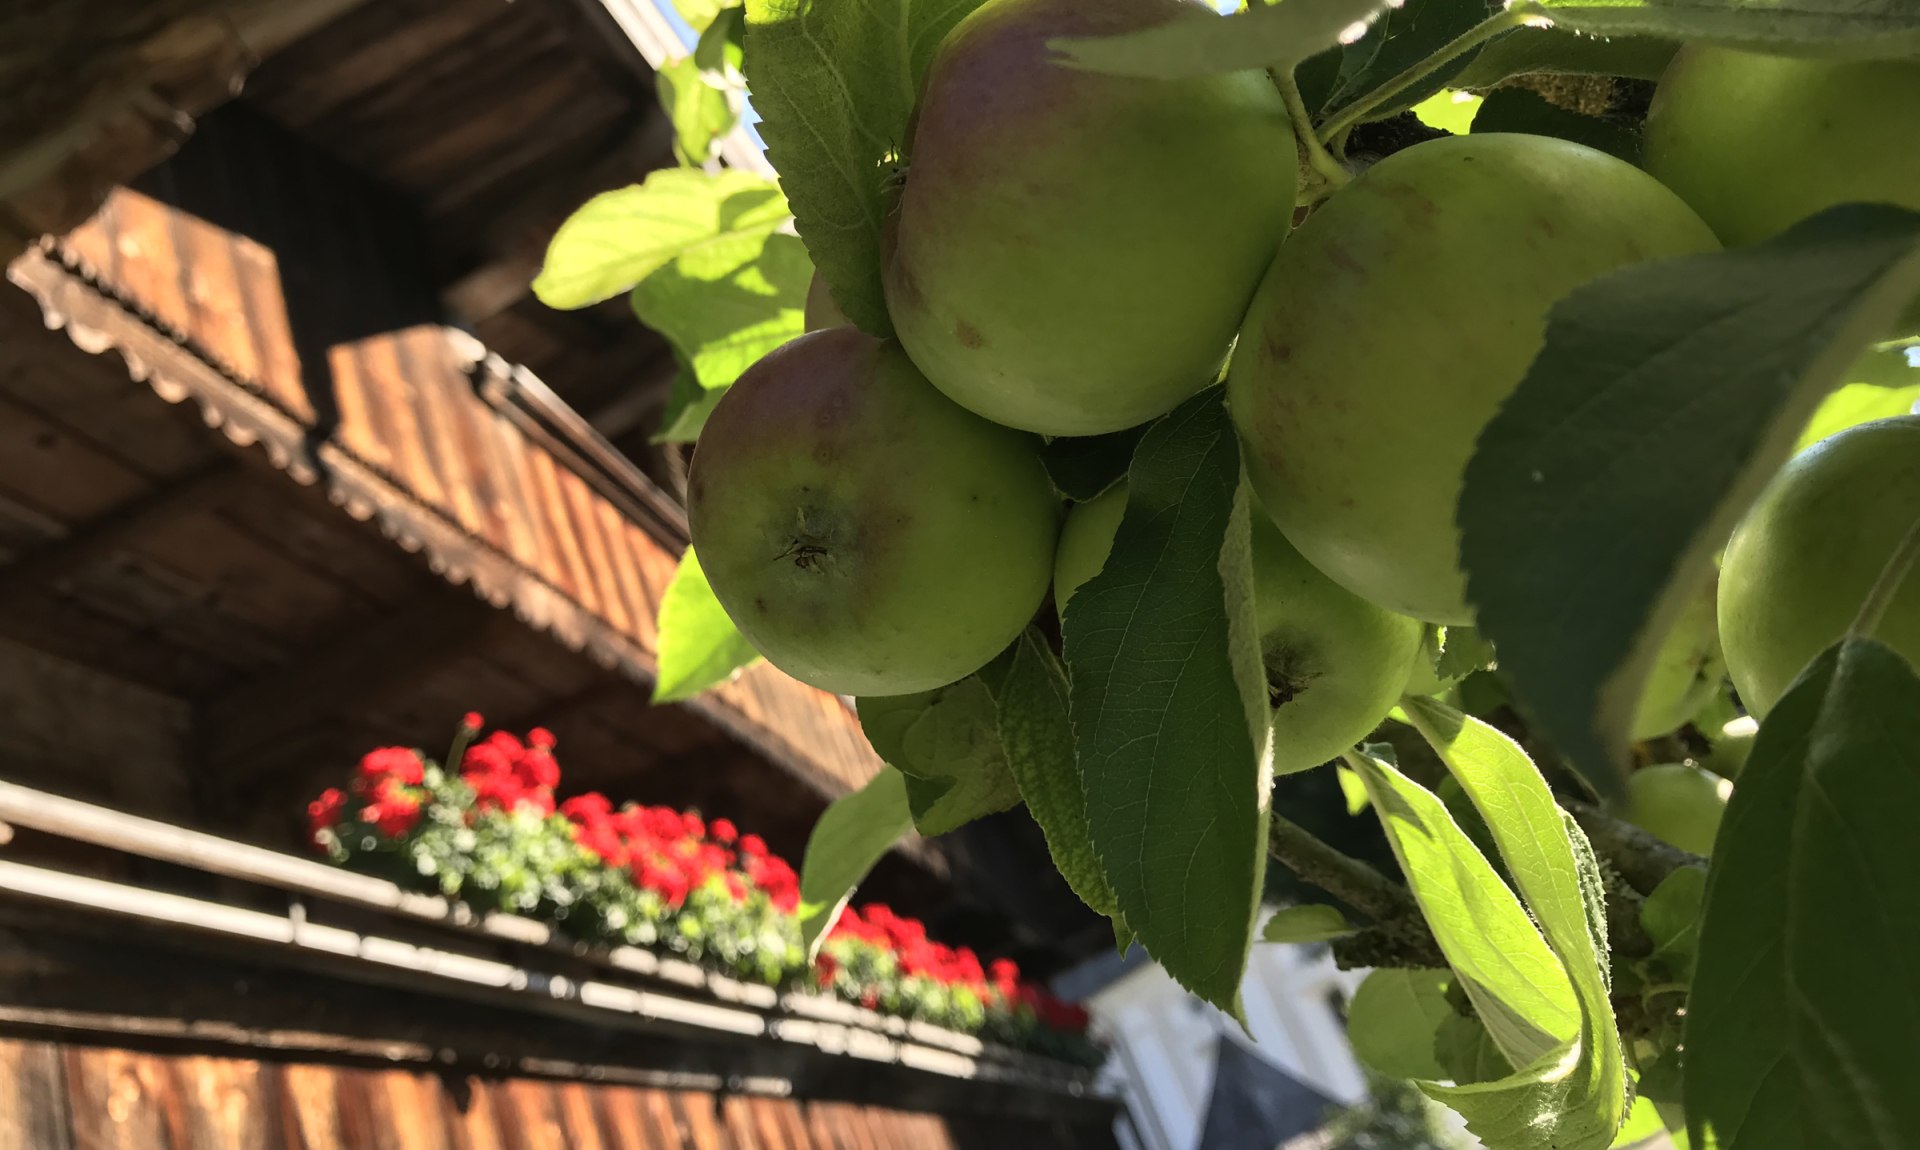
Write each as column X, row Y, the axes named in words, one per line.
column 292, row 465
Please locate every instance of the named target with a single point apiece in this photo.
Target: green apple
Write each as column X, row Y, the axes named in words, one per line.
column 1801, row 561
column 1072, row 250
column 1755, row 143
column 1731, row 746
column 1395, row 322
column 1335, row 663
column 866, row 534
column 820, row 311
column 1687, row 670
column 1679, row 804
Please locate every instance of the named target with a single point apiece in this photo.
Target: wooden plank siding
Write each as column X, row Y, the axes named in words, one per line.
column 440, row 443
column 65, row 1096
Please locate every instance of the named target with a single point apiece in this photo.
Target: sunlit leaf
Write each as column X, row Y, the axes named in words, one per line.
column 699, row 646
column 726, row 303
column 1261, row 36
column 618, row 238
column 699, row 112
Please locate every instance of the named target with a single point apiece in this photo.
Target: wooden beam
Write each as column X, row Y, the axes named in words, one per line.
column 374, row 658
column 98, row 539
column 98, row 93
column 80, row 976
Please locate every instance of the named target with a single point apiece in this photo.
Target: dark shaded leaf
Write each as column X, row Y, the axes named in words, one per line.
column 1168, row 705
column 849, row 838
column 1665, row 396
column 1803, row 1026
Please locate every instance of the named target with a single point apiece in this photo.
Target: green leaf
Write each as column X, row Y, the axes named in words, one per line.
column 1038, row 739
column 1463, row 651
column 1665, row 396
column 1853, row 404
column 1401, row 38
column 698, row 14
column 1352, row 789
column 1169, row 709
column 1262, row 36
column 1556, row 51
column 1671, row 918
column 884, row 719
column 1450, row 110
column 699, row 646
column 688, row 405
column 718, row 51
column 1879, row 386
column 1469, row 1054
column 947, row 742
column 1394, row 1020
column 1643, row 1123
column 1803, row 1026
column 699, row 112
column 834, row 85
column 726, row 303
column 1082, row 467
column 1580, row 1091
column 1526, row 111
column 956, row 770
column 1309, row 922
column 1862, row 29
column 850, row 837
column 1517, row 986
column 618, row 238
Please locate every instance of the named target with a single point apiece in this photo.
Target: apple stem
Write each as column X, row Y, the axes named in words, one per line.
column 1323, row 162
column 1887, row 585
column 1472, row 38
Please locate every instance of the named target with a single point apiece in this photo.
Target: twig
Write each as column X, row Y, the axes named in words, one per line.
column 1479, row 34
column 1323, row 162
column 1641, row 859
column 1347, row 879
column 1400, row 935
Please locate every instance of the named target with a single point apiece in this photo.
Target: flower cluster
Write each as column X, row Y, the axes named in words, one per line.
column 506, row 774
column 886, row 962
column 492, row 835
column 672, row 853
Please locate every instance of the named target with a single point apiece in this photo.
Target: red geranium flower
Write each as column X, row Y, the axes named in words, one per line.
column 324, row 812
column 393, row 811
column 723, row 830
column 383, row 763
column 753, row 846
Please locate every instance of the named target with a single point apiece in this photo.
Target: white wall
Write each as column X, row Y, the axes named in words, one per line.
column 1163, row 1038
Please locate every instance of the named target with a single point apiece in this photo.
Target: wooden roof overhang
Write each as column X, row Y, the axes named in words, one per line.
column 97, row 91
column 332, row 272
column 452, row 452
